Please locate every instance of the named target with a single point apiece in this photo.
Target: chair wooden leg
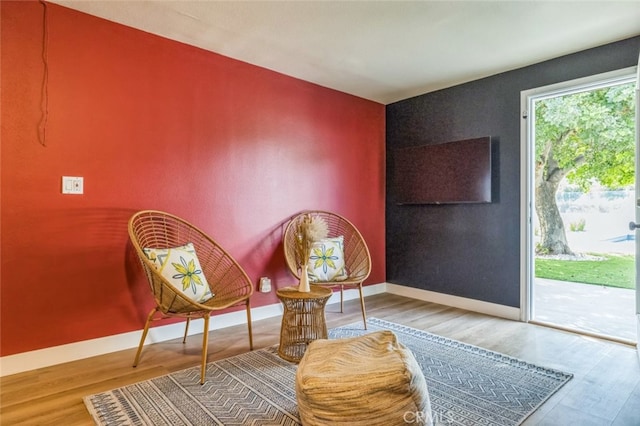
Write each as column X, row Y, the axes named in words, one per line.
column 341, row 298
column 186, row 331
column 144, row 335
column 364, row 312
column 249, row 325
column 205, row 345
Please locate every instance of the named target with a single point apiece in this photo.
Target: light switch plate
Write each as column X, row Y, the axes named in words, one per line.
column 72, row 185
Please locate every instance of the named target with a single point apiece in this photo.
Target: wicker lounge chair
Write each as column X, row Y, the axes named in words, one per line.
column 228, row 284
column 356, row 253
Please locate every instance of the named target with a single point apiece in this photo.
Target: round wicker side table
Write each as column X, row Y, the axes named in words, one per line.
column 302, row 321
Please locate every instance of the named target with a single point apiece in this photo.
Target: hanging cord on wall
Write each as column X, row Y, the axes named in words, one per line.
column 44, row 99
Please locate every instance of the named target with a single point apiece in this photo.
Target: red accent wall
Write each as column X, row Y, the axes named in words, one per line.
column 152, row 123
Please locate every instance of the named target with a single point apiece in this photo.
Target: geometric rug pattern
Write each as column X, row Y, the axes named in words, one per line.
column 467, row 385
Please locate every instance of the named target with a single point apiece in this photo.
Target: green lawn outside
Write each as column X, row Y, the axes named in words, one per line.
column 614, row 271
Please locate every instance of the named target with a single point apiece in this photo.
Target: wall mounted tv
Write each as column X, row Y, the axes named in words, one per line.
column 445, row 173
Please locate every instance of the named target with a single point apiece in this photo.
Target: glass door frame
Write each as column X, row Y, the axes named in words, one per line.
column 527, row 176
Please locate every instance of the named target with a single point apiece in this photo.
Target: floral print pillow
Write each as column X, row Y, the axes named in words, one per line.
column 326, row 261
column 180, row 266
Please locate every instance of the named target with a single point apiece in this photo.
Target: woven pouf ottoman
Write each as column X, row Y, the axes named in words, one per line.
column 366, row 380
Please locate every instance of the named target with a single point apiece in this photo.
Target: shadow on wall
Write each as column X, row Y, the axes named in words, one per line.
column 139, row 288
column 268, row 256
column 72, row 259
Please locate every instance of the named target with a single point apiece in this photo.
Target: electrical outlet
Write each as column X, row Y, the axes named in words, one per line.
column 265, row 285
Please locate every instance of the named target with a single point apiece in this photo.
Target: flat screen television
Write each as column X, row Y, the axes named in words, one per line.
column 444, row 173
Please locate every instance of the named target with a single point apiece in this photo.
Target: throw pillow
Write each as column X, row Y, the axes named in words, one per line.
column 181, row 267
column 326, row 261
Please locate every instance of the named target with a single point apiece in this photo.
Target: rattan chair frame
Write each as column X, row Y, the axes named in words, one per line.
column 356, row 253
column 227, row 280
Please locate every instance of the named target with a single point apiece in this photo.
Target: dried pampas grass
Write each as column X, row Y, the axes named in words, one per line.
column 308, row 230
column 317, row 229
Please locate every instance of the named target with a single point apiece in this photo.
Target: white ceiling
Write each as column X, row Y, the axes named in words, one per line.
column 384, row 51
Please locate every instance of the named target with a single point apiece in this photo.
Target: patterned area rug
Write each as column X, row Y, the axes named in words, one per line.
column 467, row 386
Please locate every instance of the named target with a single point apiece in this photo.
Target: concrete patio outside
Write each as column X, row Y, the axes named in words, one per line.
column 584, row 307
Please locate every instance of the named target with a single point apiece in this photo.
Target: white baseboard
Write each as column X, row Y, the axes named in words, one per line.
column 487, row 308
column 18, row 363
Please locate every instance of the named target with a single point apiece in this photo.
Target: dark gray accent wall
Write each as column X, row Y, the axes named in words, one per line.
column 473, row 250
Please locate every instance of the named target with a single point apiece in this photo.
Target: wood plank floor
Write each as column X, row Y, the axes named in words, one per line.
column 605, row 389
